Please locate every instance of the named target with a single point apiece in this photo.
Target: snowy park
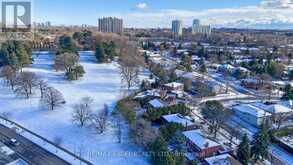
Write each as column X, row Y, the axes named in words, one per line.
column 101, row 82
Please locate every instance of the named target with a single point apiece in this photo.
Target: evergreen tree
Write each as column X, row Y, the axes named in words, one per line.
column 260, row 144
column 187, row 61
column 244, row 151
column 173, row 76
column 161, row 155
column 22, row 55
column 100, row 53
column 66, row 44
column 288, row 93
column 202, row 66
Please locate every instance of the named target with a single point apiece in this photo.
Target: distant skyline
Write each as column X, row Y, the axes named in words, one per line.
column 160, row 13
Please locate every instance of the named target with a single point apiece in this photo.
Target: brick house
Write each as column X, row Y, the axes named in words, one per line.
column 201, row 146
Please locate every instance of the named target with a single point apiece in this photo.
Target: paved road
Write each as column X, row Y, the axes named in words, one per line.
column 29, row 151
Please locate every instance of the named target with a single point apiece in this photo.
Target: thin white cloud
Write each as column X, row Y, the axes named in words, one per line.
column 141, row 6
column 282, row 4
column 244, row 17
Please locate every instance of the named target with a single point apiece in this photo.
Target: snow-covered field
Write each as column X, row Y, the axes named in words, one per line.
column 102, row 82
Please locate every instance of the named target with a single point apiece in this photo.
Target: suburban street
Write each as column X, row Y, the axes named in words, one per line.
column 27, row 150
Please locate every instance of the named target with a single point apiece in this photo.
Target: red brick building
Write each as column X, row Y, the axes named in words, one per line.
column 201, row 146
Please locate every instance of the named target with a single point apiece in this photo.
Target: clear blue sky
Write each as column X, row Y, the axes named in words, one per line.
column 88, row 11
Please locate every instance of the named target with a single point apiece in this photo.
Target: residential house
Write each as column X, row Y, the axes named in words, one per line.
column 251, row 114
column 185, row 121
column 174, row 86
column 226, row 68
column 224, row 159
column 202, row 147
column 156, row 103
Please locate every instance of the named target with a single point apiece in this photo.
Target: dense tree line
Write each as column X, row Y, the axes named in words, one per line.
column 25, row 83
column 16, row 54
column 105, row 51
column 272, row 68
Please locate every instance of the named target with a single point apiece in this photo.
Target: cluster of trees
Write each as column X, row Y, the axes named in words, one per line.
column 203, row 89
column 24, row 84
column 68, row 62
column 16, row 54
column 164, row 76
column 257, row 151
column 187, row 62
column 83, row 115
column 126, row 107
column 66, row 44
column 155, row 114
column 84, row 39
column 271, row 68
column 161, row 154
column 156, row 142
column 105, row 51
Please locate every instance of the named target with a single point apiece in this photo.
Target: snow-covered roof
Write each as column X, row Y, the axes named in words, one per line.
column 277, row 108
column 227, row 66
column 195, row 137
column 250, row 80
column 252, row 110
column 152, row 92
column 224, row 159
column 179, row 119
column 156, row 103
column 188, row 75
column 5, row 150
column 174, row 84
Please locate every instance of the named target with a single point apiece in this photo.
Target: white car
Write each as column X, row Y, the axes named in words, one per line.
column 14, row 142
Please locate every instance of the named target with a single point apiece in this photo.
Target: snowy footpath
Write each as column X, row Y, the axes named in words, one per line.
column 102, row 82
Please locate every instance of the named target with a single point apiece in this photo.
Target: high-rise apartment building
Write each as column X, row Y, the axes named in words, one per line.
column 111, row 25
column 177, row 27
column 197, row 28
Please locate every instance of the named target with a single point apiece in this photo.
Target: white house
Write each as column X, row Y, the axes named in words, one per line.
column 185, row 121
column 156, row 103
column 174, row 86
column 251, row 114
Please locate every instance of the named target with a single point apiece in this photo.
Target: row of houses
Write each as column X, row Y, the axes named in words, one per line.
column 201, row 147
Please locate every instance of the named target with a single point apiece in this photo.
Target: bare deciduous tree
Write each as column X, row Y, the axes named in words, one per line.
column 130, row 60
column 119, row 131
column 42, row 87
column 143, row 133
column 99, row 120
column 82, row 111
column 52, row 98
column 10, row 75
column 279, row 119
column 26, row 81
column 129, row 75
